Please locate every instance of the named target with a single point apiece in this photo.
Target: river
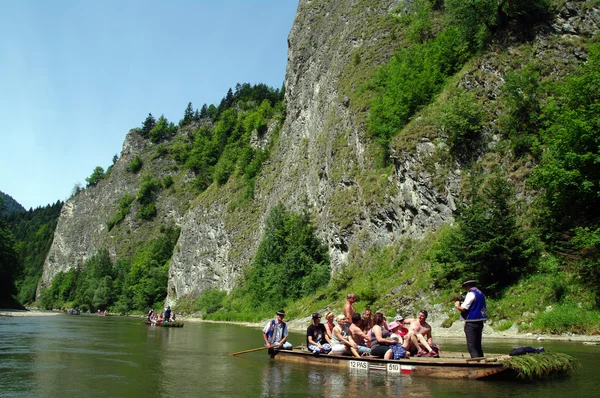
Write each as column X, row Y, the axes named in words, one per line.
column 89, row 355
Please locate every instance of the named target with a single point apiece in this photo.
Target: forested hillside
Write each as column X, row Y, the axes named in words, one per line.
column 418, row 143
column 10, row 205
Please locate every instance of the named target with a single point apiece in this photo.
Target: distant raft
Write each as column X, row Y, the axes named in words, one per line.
column 166, row 324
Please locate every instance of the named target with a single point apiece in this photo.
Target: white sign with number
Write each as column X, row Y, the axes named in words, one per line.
column 394, row 368
column 358, row 365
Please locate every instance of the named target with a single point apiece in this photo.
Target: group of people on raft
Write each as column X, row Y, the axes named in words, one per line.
column 167, row 316
column 358, row 334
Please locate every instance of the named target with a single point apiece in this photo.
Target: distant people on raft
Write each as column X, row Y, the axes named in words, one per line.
column 167, row 315
column 317, row 340
column 275, row 332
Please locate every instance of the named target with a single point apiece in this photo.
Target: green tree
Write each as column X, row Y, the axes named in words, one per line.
column 568, row 174
column 10, row 267
column 135, row 165
column 147, row 126
column 290, row 261
column 478, row 19
column 188, row 115
column 486, row 242
column 96, row 177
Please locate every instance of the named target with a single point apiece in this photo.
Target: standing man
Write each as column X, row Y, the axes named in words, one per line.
column 167, row 314
column 349, row 306
column 474, row 313
column 317, row 339
column 275, row 332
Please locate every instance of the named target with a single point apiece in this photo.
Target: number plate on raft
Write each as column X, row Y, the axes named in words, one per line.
column 358, row 365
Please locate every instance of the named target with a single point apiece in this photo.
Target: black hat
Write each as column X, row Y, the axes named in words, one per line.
column 315, row 315
column 469, row 282
column 281, row 312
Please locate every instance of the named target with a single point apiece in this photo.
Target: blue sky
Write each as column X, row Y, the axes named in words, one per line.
column 76, row 75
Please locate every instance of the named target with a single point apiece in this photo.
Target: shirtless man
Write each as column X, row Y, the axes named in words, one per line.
column 419, row 332
column 359, row 337
column 349, row 306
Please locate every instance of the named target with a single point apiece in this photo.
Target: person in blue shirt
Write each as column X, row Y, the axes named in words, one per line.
column 474, row 313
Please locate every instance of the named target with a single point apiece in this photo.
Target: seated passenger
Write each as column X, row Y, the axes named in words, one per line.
column 317, row 340
column 275, row 332
column 341, row 341
column 380, row 341
column 329, row 325
column 420, row 336
column 359, row 337
column 398, row 332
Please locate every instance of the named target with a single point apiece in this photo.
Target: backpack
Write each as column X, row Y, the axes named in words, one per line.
column 525, row 350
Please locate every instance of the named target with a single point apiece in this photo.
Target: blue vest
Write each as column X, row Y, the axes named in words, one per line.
column 477, row 310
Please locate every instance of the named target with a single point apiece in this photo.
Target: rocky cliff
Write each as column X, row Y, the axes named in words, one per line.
column 323, row 159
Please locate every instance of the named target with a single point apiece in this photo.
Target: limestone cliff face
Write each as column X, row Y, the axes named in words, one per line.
column 322, row 160
column 82, row 226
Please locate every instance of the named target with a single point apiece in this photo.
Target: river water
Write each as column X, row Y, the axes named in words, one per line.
column 88, row 355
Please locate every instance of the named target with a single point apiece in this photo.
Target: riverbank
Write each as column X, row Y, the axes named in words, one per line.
column 299, row 325
column 31, row 312
column 455, row 331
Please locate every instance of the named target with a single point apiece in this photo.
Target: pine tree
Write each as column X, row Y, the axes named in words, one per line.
column 147, row 126
column 188, row 115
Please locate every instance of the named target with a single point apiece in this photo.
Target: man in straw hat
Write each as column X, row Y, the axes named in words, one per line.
column 474, row 312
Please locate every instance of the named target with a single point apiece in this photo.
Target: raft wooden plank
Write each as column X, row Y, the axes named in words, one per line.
column 453, row 367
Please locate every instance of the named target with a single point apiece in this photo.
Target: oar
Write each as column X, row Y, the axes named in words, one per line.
column 246, row 351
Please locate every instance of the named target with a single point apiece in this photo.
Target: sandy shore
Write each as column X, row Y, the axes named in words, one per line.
column 32, row 312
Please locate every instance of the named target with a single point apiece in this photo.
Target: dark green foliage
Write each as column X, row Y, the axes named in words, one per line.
column 289, row 263
column 220, row 151
column 520, row 122
column 461, row 118
column 569, row 172
column 123, row 210
column 486, row 242
column 477, row 20
column 10, row 266
column 188, row 115
column 135, row 165
column 131, row 284
column 410, row 81
column 149, row 270
column 146, row 196
column 587, row 242
column 167, row 182
column 211, row 300
column 162, row 130
column 96, row 177
column 541, row 366
column 33, row 231
column 147, row 126
column 10, row 205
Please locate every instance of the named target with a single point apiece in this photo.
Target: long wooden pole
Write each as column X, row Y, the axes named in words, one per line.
column 246, row 351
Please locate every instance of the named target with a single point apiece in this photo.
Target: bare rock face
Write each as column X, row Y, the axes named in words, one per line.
column 82, row 226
